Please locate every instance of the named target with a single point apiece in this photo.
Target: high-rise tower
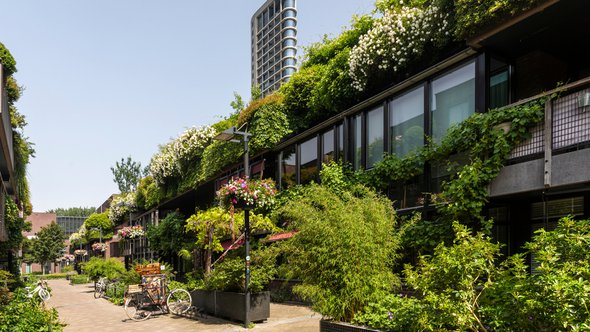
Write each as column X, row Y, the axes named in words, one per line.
column 274, row 44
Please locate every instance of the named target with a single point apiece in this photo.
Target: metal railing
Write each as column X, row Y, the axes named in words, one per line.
column 569, row 121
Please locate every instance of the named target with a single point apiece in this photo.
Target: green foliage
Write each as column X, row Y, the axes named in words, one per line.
column 216, row 156
column 298, row 91
column 127, row 174
column 99, row 221
column 23, row 152
column 238, row 103
column 337, row 177
column 555, row 298
column 22, row 314
column 7, row 60
column 228, row 274
column 148, row 195
column 168, row 236
column 269, row 125
column 48, row 244
column 463, row 287
column 330, row 252
column 98, row 267
column 15, row 226
column 475, row 16
column 79, row 279
column 73, row 211
column 485, row 146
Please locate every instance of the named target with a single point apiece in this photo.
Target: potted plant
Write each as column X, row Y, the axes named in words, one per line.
column 247, row 193
column 131, row 232
column 223, row 294
column 99, row 247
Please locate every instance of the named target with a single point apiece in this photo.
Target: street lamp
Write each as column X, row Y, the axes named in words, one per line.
column 100, row 235
column 229, row 135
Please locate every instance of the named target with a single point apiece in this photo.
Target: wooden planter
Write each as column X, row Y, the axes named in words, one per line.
column 331, row 326
column 230, row 305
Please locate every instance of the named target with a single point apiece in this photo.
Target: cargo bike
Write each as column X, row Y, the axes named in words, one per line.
column 153, row 296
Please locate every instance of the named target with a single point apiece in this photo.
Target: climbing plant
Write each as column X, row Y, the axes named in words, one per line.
column 486, row 148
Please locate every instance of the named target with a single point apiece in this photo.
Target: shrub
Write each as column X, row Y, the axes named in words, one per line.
column 79, row 279
column 228, row 274
column 555, row 297
column 22, row 315
column 98, row 267
column 344, row 250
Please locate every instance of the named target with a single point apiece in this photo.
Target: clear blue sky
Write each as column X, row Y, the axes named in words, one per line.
column 112, row 78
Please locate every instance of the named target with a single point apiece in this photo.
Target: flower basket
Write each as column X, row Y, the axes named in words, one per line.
column 80, row 252
column 99, row 247
column 245, row 193
column 131, row 232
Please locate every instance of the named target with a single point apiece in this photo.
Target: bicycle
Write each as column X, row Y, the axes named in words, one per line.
column 100, row 287
column 40, row 290
column 144, row 299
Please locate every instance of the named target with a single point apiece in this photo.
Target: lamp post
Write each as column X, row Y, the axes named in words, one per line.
column 228, row 135
column 100, row 234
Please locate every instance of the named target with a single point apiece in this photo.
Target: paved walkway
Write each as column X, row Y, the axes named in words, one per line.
column 78, row 308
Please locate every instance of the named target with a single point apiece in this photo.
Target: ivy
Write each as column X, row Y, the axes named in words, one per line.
column 7, row 60
column 486, row 148
column 475, row 16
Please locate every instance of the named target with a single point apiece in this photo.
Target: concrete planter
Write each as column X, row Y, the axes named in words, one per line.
column 230, row 305
column 331, row 326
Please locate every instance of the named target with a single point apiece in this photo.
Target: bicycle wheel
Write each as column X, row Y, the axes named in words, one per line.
column 44, row 294
column 135, row 310
column 179, row 301
column 99, row 291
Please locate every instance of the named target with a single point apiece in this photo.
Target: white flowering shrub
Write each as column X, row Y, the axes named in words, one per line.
column 171, row 158
column 395, row 40
column 121, row 206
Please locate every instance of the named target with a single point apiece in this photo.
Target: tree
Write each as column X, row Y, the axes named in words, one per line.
column 48, row 245
column 98, row 226
column 127, row 174
column 73, row 211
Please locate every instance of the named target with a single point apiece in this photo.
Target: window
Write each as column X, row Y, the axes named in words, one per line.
column 374, row 136
column 328, row 146
column 358, row 141
column 499, row 93
column 309, row 161
column 288, row 168
column 406, row 114
column 452, row 99
column 340, row 142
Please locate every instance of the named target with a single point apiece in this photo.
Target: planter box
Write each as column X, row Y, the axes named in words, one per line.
column 330, row 326
column 231, row 305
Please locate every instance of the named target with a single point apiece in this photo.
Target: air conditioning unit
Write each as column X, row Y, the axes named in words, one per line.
column 584, row 99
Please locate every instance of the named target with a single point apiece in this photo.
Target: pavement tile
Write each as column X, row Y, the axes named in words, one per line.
column 78, row 308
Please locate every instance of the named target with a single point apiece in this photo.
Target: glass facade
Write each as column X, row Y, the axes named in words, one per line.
column 499, row 93
column 340, row 141
column 288, row 168
column 374, row 136
column 406, row 122
column 328, row 146
column 452, row 99
column 358, row 141
column 309, row 161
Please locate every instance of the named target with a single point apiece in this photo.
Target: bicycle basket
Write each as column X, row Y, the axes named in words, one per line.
column 134, row 289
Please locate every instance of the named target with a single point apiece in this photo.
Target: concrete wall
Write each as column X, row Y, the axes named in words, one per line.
column 567, row 169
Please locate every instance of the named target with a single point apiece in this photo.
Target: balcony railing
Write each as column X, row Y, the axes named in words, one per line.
column 566, row 126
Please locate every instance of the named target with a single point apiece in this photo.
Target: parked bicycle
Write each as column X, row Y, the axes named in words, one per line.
column 41, row 290
column 100, row 287
column 153, row 296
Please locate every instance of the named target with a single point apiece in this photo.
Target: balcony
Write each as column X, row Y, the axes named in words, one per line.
column 557, row 155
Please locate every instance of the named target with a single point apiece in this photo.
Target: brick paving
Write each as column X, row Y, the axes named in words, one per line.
column 78, row 308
